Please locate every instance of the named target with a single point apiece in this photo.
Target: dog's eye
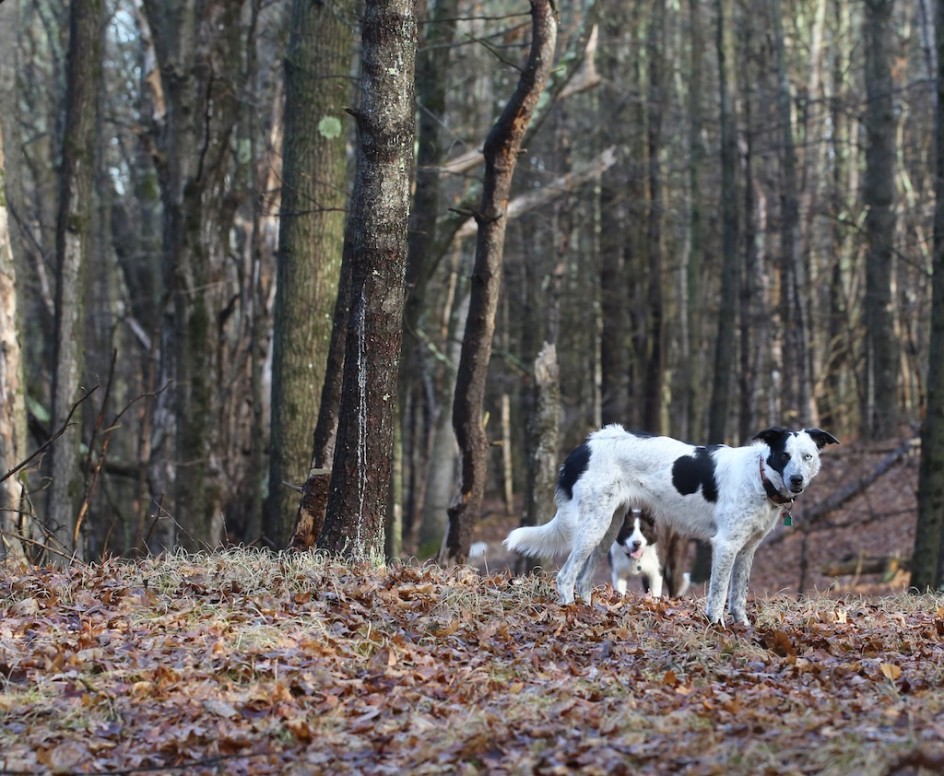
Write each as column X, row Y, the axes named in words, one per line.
column 785, row 457
column 808, row 457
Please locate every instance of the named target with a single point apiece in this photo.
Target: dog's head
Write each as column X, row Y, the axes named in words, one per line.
column 637, row 532
column 792, row 458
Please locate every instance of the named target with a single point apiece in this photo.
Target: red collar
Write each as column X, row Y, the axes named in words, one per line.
column 772, row 493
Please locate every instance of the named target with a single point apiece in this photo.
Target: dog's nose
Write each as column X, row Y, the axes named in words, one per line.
column 796, row 481
column 636, row 545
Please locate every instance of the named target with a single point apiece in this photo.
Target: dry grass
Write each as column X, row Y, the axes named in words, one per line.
column 249, row 662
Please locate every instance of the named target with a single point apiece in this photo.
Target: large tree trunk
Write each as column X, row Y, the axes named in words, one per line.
column 543, row 433
column 797, row 385
column 311, row 241
column 360, row 482
column 927, row 565
column 655, row 362
column 432, row 79
column 73, row 236
column 730, row 266
column 14, row 520
column 691, row 310
column 198, row 47
column 501, row 151
column 614, row 226
column 881, row 360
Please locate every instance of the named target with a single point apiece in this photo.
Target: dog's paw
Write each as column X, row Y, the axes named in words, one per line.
column 715, row 618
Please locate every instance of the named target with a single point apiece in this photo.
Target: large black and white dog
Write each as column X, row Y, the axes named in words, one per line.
column 729, row 496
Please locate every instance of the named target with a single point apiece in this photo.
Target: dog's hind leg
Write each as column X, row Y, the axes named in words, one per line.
column 585, row 578
column 590, row 546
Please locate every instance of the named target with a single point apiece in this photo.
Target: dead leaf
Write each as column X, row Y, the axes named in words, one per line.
column 891, row 671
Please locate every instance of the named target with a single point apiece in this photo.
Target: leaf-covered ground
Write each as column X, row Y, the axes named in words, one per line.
column 249, row 663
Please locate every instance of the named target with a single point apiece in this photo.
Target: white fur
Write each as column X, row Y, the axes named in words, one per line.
column 626, row 471
column 646, row 563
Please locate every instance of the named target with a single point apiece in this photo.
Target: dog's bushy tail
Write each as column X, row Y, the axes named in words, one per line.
column 540, row 541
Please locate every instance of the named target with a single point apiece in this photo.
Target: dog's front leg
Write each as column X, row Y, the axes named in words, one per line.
column 740, row 576
column 723, row 553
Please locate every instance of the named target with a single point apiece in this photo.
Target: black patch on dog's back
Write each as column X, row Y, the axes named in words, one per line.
column 691, row 472
column 572, row 469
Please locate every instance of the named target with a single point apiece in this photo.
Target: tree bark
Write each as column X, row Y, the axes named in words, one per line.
column 501, row 151
column 198, row 48
column 727, row 316
column 798, row 407
column 927, row 565
column 655, row 361
column 880, row 357
column 311, row 242
column 14, row 520
column 692, row 305
column 359, row 495
column 73, row 236
column 543, row 433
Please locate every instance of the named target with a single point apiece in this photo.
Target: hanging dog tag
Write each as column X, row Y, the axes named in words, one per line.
column 787, row 519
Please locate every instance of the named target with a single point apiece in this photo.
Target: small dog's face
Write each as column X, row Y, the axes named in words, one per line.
column 794, row 456
column 637, row 533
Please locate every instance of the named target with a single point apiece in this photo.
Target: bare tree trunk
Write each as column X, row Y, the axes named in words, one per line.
column 73, row 236
column 359, row 495
column 752, row 323
column 880, row 407
column 727, row 316
column 432, row 74
column 311, row 241
column 311, row 509
column 543, row 432
column 692, row 305
column 501, row 151
column 655, row 362
column 198, row 47
column 927, row 566
column 793, row 287
column 614, row 355
column 14, row 520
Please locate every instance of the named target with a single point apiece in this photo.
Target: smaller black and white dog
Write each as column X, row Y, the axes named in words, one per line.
column 634, row 553
column 638, row 552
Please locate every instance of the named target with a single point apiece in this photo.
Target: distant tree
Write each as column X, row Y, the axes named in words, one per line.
column 927, row 564
column 359, row 496
column 14, row 520
column 501, row 151
column 311, row 241
column 432, row 86
column 73, row 237
column 655, row 361
column 691, row 310
column 199, row 48
column 793, row 303
column 880, row 359
column 727, row 317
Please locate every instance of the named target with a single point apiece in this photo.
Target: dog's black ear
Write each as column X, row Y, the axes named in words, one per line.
column 822, row 438
column 772, row 435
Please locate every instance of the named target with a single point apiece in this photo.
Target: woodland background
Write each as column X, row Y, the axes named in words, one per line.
column 722, row 218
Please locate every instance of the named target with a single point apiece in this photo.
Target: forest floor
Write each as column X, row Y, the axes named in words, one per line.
column 251, row 663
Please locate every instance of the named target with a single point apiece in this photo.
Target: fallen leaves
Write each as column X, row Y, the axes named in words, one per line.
column 248, row 662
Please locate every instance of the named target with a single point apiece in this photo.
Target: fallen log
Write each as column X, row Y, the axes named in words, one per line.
column 887, row 566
